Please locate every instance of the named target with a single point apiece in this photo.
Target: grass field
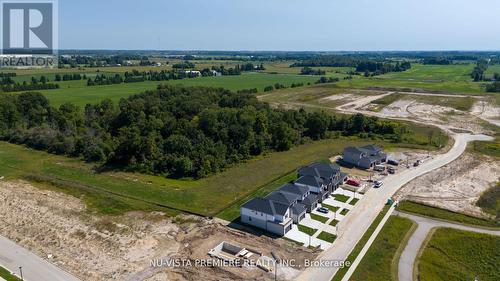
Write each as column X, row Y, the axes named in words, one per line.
column 79, row 93
column 5, row 274
column 419, row 209
column 456, row 255
column 361, row 243
column 446, row 78
column 486, row 148
column 225, row 191
column 381, row 260
column 490, row 201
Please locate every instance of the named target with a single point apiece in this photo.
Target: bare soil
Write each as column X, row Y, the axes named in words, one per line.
column 94, row 247
column 456, row 186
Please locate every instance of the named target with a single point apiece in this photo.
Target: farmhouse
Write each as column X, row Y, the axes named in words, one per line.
column 267, row 214
column 365, row 157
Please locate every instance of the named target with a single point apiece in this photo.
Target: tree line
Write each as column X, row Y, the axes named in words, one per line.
column 7, row 84
column 176, row 131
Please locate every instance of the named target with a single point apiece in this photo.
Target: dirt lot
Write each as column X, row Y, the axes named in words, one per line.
column 121, row 248
column 456, row 186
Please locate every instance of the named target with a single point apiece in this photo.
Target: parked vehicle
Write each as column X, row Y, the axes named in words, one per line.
column 323, row 210
column 379, row 168
column 391, row 170
column 416, row 164
column 378, row 184
column 353, row 182
column 393, row 162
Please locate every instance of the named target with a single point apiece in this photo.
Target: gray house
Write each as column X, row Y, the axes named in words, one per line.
column 316, row 186
column 330, row 174
column 268, row 215
column 291, row 200
column 306, row 198
column 365, row 157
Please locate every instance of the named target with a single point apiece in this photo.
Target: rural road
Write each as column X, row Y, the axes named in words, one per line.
column 352, row 228
column 34, row 268
column 424, row 226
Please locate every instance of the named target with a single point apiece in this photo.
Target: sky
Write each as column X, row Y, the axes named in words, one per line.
column 280, row 25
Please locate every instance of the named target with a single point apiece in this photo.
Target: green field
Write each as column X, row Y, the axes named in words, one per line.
column 445, row 78
column 5, row 274
column 456, row 255
column 381, row 260
column 490, row 201
column 361, row 243
column 209, row 196
column 419, row 209
column 79, row 93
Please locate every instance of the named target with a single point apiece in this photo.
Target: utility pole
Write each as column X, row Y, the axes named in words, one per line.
column 21, row 272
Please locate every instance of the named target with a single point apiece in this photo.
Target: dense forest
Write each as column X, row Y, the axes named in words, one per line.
column 176, row 131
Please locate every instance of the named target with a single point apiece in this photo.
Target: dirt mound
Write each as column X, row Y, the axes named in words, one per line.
column 456, row 186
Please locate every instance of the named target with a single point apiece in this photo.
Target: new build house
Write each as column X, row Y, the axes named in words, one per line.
column 364, row 157
column 298, row 211
column 289, row 204
column 267, row 214
column 328, row 176
column 306, row 198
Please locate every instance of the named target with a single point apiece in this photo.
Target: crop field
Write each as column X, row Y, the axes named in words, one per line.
column 445, row 78
column 79, row 93
column 460, row 255
column 381, row 260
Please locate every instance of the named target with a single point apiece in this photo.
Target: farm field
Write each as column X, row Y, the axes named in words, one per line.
column 78, row 93
column 443, row 78
column 460, row 255
column 381, row 260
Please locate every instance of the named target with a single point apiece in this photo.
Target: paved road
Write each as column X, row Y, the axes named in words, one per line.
column 34, row 268
column 407, row 260
column 367, row 246
column 352, row 228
